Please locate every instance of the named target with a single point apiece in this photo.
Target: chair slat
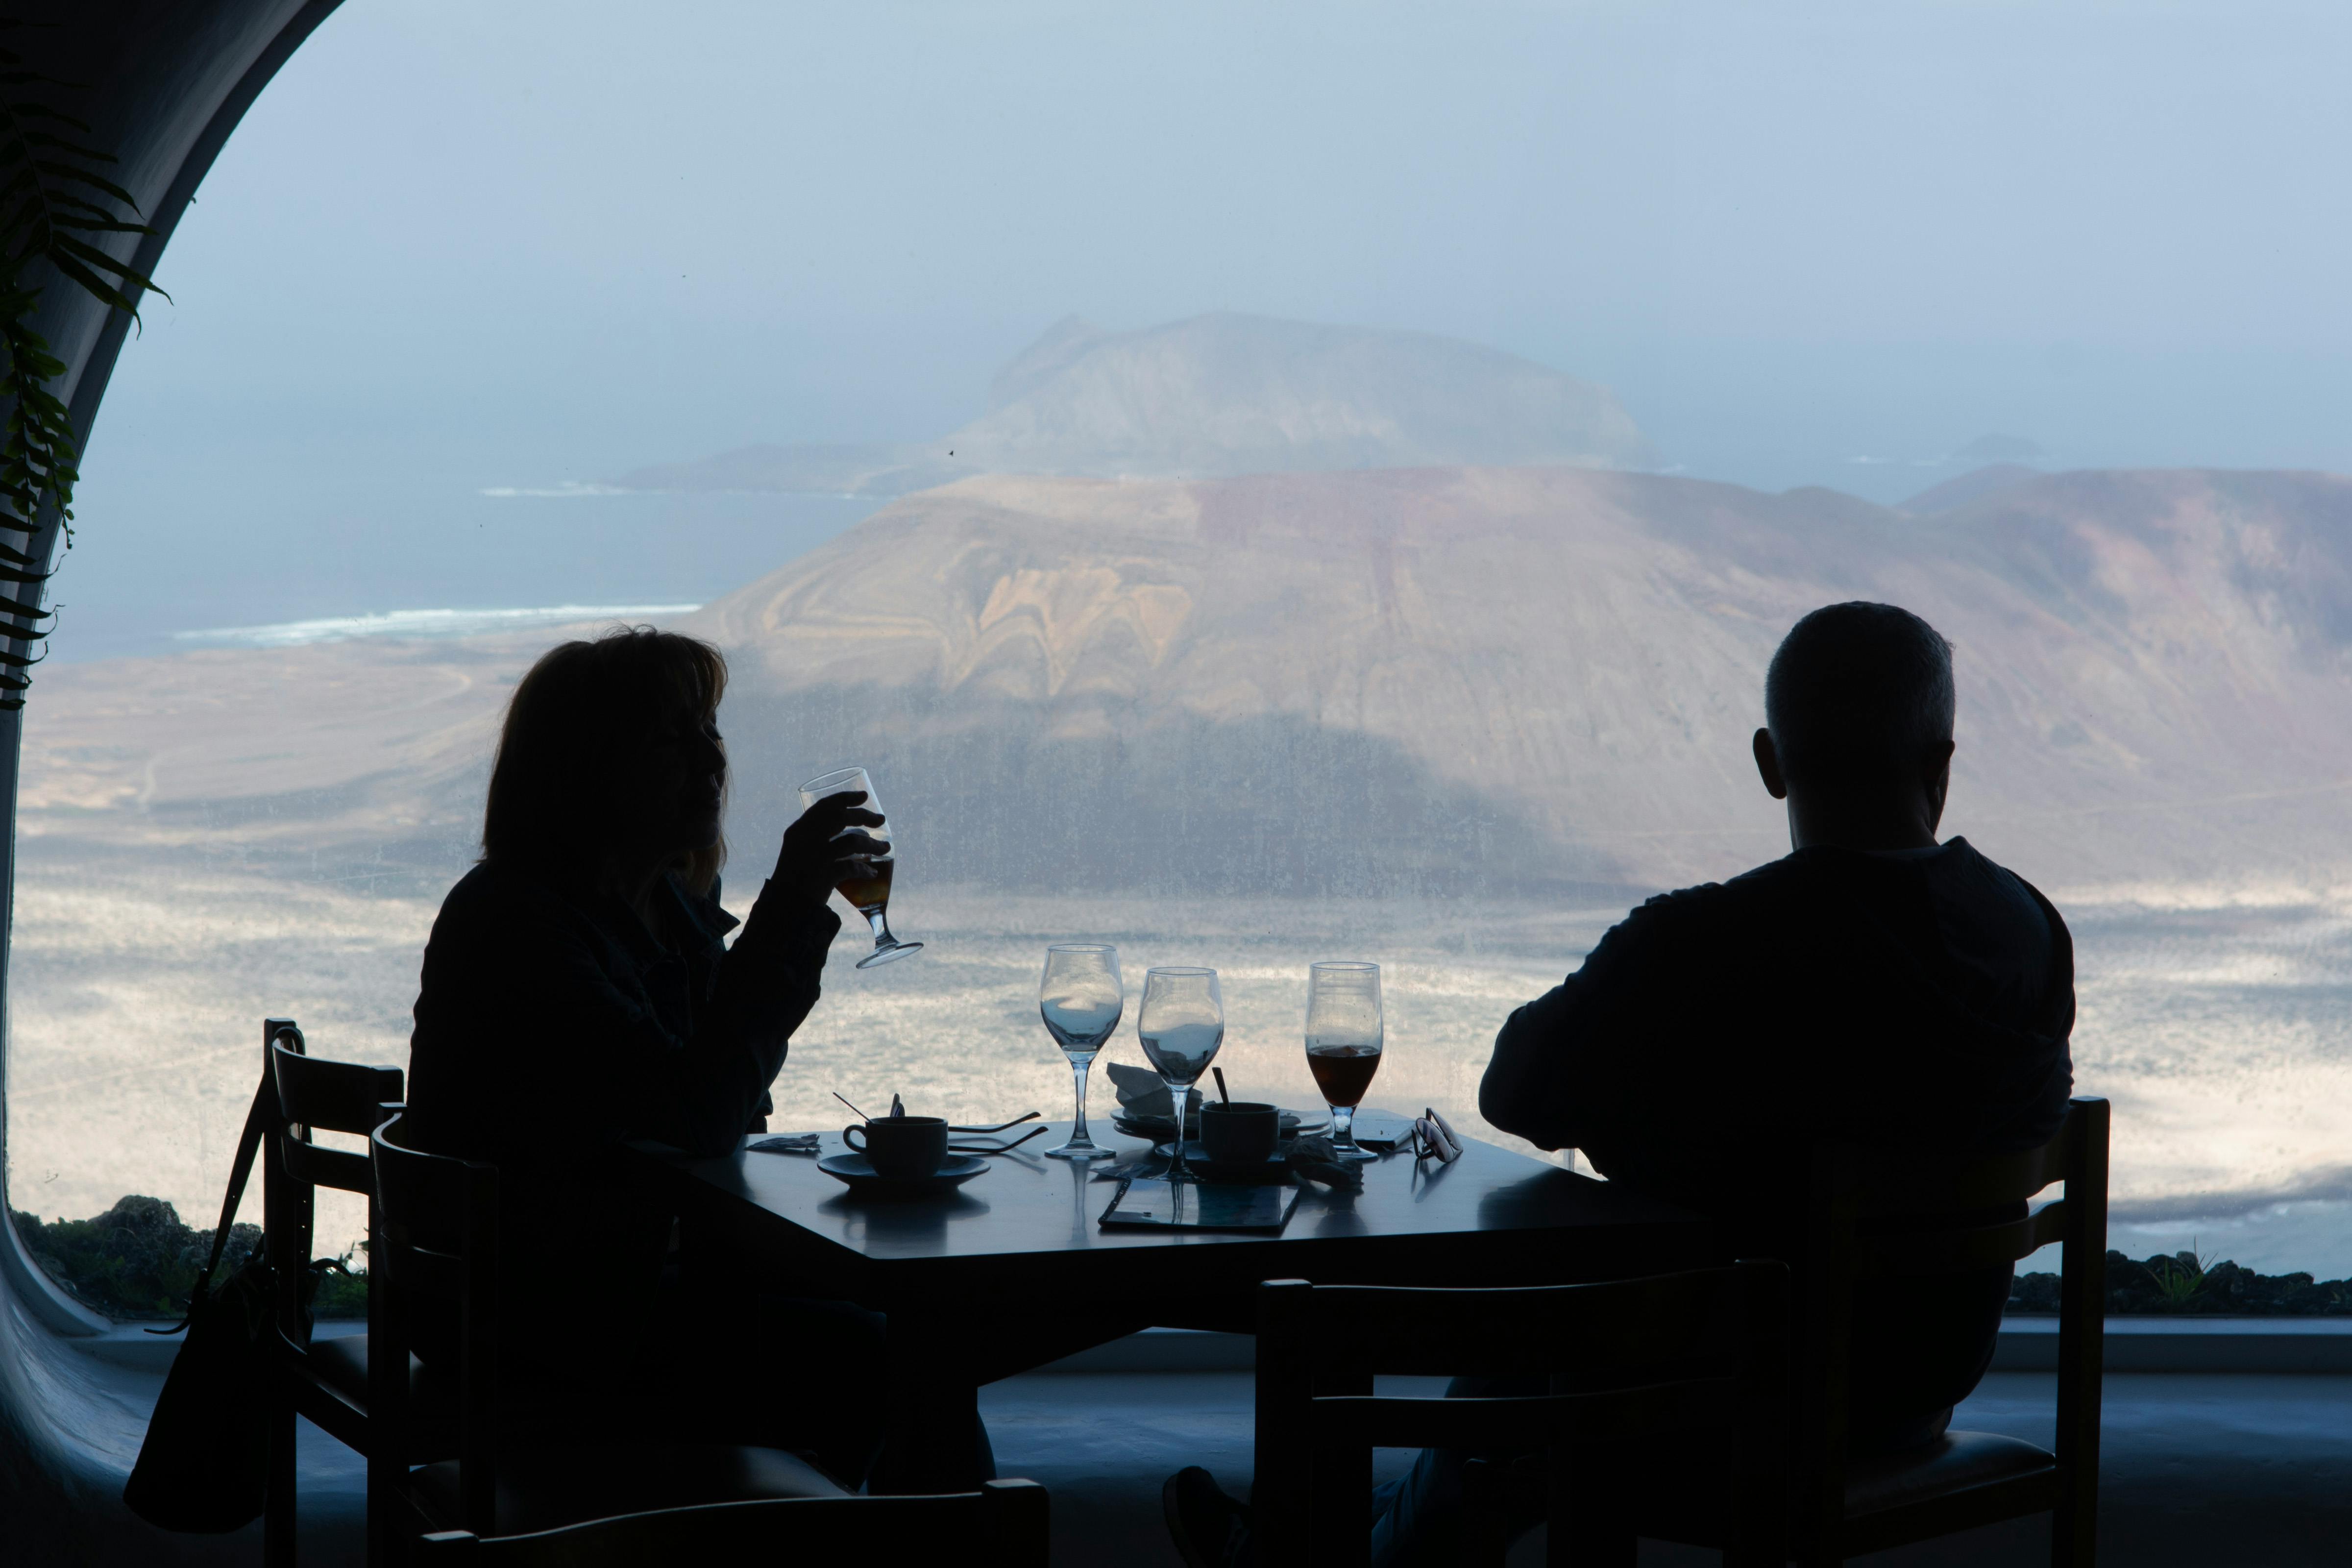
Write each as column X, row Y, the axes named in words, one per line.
column 421, row 1193
column 1899, row 1182
column 337, row 1168
column 1951, row 1251
column 1532, row 1421
column 1553, row 1329
column 340, row 1097
column 424, row 1272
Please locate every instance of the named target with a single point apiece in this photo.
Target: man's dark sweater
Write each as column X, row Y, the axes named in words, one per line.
column 1916, row 999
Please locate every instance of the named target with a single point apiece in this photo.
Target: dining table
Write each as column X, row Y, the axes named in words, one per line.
column 1012, row 1270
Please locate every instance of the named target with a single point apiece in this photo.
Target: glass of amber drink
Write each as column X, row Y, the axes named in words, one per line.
column 1345, row 1036
column 868, row 885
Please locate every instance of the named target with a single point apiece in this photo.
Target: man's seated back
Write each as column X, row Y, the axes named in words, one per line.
column 1872, row 986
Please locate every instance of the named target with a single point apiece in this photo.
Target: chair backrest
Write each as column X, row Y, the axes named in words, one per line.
column 334, row 1097
column 1874, row 1214
column 1619, row 1360
column 1002, row 1524
column 438, row 1217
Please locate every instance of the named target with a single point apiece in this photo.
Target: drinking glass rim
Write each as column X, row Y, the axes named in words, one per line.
column 1344, row 965
column 1186, row 971
column 1081, row 947
column 838, row 775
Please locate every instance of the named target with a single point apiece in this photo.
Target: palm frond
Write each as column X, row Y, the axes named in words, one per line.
column 56, row 207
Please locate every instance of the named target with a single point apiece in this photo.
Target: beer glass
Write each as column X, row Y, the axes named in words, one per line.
column 1182, row 1022
column 868, row 885
column 1080, row 997
column 1344, row 1038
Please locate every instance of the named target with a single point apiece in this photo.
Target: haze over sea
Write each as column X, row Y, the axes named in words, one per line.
column 2218, row 1026
column 1398, row 657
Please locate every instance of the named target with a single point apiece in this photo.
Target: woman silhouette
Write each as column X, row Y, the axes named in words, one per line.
column 576, row 994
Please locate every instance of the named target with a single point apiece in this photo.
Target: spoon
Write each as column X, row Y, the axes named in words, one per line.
column 995, row 1148
column 1000, row 1126
column 1220, row 1084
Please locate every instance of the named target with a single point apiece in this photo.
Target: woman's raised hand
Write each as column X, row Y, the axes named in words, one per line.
column 813, row 861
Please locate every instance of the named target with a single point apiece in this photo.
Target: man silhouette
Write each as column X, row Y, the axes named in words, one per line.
column 1873, row 985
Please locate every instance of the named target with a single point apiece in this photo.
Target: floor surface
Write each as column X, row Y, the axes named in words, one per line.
column 2202, row 1471
column 2199, row 1471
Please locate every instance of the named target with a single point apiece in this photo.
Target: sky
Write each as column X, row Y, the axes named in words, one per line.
column 457, row 247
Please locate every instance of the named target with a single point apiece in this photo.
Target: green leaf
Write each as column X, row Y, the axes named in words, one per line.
column 94, row 285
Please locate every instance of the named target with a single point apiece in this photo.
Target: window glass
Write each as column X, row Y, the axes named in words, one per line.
column 1252, row 487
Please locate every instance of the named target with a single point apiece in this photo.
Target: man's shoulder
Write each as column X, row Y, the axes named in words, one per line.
column 1684, row 920
column 1744, row 918
column 1760, row 885
column 1982, row 865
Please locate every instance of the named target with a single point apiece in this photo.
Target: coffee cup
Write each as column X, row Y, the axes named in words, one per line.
column 901, row 1147
column 1242, row 1132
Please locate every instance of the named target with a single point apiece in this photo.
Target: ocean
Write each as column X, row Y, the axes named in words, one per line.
column 2220, row 1024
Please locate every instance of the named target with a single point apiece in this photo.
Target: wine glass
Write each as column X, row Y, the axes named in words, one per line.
column 1344, row 1038
column 868, row 885
column 1182, row 1022
column 1081, row 998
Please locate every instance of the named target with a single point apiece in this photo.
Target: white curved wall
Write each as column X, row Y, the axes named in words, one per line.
column 162, row 84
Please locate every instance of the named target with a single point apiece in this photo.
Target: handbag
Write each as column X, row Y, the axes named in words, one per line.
column 204, row 1464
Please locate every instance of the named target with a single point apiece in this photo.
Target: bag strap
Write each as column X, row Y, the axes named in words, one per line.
column 257, row 1122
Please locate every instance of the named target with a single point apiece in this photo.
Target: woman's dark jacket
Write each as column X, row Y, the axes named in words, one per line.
column 553, row 1025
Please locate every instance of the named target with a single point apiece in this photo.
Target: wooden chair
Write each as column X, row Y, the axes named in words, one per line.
column 439, row 1243
column 328, row 1380
column 1002, row 1525
column 1627, row 1362
column 1873, row 1215
column 1864, row 1220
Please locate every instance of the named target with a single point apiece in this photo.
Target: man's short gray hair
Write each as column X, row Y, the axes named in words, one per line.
column 1857, row 694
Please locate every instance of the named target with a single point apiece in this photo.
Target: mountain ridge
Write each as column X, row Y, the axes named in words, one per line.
column 1578, row 655
column 1219, row 396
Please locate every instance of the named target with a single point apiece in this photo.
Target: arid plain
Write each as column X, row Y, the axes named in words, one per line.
column 1454, row 719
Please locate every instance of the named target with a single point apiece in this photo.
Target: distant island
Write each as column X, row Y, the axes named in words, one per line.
column 1215, row 397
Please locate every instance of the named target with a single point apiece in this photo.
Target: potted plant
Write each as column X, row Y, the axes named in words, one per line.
column 57, row 209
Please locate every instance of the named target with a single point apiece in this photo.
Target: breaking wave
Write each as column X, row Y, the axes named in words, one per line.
column 421, row 624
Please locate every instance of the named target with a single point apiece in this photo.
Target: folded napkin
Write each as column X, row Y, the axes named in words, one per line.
column 1142, row 1092
column 785, row 1144
column 1315, row 1159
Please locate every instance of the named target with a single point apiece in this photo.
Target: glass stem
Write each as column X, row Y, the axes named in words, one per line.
column 879, row 918
column 1078, row 1066
column 1177, row 1095
column 1343, row 1127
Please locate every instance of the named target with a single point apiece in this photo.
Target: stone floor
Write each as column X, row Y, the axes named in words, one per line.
column 2200, row 1469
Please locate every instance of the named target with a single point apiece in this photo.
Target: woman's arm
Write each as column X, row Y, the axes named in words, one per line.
column 768, row 982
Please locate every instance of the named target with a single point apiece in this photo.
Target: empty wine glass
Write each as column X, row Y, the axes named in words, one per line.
column 1081, row 998
column 1182, row 1022
column 1345, row 1036
column 868, row 885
